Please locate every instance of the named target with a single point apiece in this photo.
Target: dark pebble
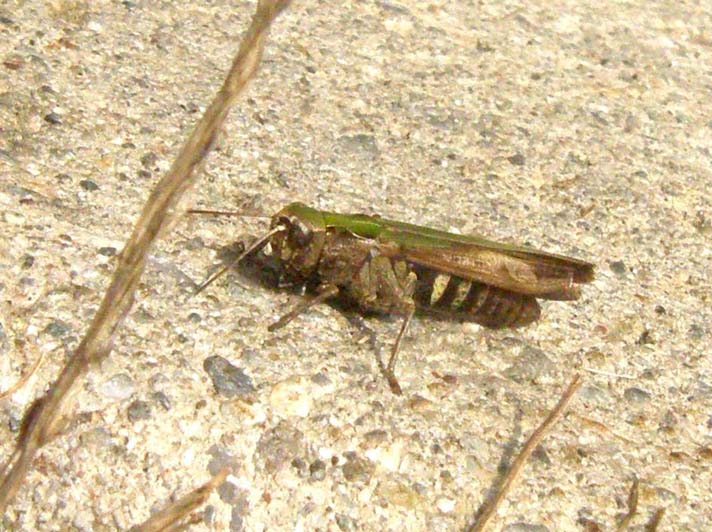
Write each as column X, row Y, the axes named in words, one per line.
column 107, row 251
column 375, row 437
column 88, row 185
column 194, row 244
column 279, row 446
column 696, row 332
column 645, row 338
column 668, row 422
column 531, row 364
column 6, row 20
column 139, row 410
column 517, row 159
column 149, row 160
column 300, row 465
column 229, row 492
column 221, row 457
column 317, row 470
column 541, row 455
column 345, row 523
column 162, row 399
column 57, row 328
column 27, row 261
column 228, row 380
column 636, row 395
column 618, row 267
column 53, row 118
column 357, row 469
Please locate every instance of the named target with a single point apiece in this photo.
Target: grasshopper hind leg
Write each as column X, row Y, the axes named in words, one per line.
column 388, row 286
column 389, row 370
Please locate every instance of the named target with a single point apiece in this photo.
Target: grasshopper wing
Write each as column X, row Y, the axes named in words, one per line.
column 515, row 268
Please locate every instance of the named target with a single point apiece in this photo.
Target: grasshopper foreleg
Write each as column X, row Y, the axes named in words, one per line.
column 325, row 292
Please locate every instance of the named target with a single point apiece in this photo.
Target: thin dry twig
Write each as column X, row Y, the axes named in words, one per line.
column 170, row 517
column 632, row 506
column 490, row 507
column 654, row 522
column 24, row 378
column 48, row 415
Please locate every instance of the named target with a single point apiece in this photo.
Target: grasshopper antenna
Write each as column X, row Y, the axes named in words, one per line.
column 257, row 244
column 226, row 213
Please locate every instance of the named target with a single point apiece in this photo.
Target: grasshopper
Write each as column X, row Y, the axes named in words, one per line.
column 397, row 268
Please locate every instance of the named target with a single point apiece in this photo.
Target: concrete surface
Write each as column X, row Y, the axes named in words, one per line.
column 579, row 129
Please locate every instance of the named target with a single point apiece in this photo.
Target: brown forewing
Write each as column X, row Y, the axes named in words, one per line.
column 526, row 272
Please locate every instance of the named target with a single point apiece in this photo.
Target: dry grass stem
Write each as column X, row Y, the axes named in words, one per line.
column 170, row 517
column 24, row 378
column 654, row 522
column 490, row 506
column 632, row 506
column 48, row 414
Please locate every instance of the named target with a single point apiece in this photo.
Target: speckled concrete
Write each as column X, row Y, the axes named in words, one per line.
column 583, row 130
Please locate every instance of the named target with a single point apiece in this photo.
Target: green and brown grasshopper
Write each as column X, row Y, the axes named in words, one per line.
column 398, row 268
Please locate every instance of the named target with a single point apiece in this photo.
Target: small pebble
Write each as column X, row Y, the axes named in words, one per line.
column 120, row 386
column 279, row 446
column 517, row 159
column 357, row 469
column 53, row 118
column 139, row 410
column 221, row 457
column 345, row 523
column 228, row 379
column 636, row 395
column 162, row 399
column 531, row 364
column 57, row 328
column 88, row 185
column 107, row 251
column 317, row 470
column 618, row 267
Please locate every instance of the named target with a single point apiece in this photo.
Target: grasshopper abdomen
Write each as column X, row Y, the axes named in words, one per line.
column 453, row 297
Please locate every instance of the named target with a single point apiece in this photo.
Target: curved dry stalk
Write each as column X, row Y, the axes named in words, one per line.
column 171, row 516
column 48, row 414
column 23, row 378
column 490, row 506
column 632, row 506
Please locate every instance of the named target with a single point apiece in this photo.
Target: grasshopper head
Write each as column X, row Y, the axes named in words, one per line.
column 298, row 247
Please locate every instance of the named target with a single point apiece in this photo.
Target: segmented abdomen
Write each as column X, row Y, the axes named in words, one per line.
column 451, row 296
